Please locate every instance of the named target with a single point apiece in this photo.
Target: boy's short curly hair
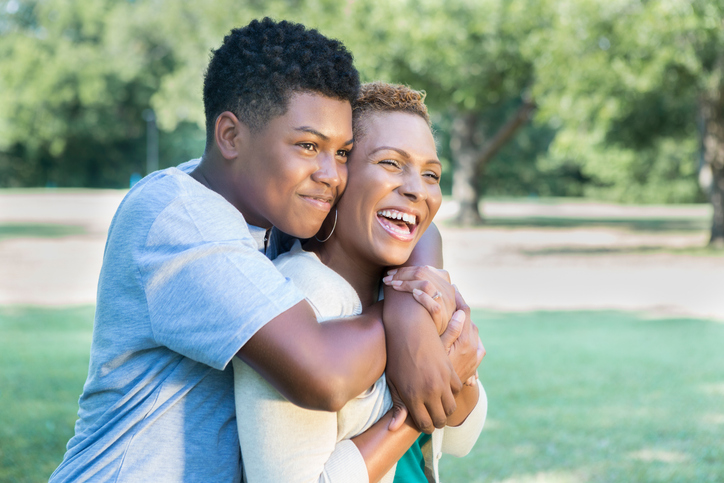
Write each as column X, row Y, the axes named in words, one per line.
column 258, row 68
column 383, row 97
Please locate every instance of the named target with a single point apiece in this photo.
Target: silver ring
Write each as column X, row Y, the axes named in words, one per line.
column 437, row 295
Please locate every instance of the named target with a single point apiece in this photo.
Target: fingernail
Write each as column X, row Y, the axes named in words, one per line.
column 387, row 279
column 459, row 316
column 392, row 272
column 392, row 422
column 396, row 283
column 416, row 292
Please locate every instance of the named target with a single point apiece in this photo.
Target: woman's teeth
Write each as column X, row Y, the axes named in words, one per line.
column 398, row 215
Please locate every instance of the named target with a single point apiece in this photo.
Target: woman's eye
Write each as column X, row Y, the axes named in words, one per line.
column 390, row 162
column 432, row 175
column 343, row 153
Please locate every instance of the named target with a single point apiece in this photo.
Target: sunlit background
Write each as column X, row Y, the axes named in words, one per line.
column 583, row 152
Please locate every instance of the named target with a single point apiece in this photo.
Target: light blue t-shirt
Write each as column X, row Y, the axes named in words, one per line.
column 183, row 286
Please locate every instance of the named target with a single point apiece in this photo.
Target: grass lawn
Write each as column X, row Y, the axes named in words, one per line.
column 38, row 230
column 573, row 396
column 598, row 396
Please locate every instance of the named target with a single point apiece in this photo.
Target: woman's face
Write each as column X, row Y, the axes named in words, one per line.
column 393, row 189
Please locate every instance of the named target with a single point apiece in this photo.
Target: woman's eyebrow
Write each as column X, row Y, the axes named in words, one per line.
column 323, row 137
column 401, row 152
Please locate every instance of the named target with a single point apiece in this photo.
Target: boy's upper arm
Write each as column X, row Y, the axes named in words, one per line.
column 208, row 288
column 428, row 250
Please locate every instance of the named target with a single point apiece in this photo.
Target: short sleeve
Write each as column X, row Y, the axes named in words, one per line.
column 208, row 288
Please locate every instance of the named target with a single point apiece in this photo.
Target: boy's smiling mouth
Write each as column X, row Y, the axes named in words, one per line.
column 399, row 224
column 323, row 202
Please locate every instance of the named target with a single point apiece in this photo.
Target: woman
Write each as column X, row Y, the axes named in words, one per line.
column 392, row 195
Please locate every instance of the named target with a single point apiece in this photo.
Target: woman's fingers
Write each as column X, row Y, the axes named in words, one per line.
column 454, row 329
column 434, row 282
column 409, row 273
column 409, row 285
column 433, row 308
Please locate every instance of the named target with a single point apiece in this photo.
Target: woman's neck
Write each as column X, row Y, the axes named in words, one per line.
column 361, row 274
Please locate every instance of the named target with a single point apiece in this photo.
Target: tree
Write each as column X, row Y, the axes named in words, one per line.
column 76, row 76
column 470, row 58
column 636, row 88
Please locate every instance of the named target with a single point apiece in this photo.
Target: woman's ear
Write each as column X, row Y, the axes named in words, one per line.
column 230, row 135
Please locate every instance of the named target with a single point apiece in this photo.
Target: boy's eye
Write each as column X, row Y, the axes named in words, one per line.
column 307, row 146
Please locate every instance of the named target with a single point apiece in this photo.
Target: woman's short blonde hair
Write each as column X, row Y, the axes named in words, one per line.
column 376, row 97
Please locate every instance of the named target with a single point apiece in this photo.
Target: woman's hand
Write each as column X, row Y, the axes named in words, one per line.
column 461, row 339
column 430, row 287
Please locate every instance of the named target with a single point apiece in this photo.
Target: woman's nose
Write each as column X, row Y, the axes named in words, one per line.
column 414, row 188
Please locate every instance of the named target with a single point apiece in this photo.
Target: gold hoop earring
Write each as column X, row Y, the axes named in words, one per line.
column 330, row 233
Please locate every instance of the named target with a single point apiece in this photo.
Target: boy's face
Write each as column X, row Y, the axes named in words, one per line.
column 293, row 171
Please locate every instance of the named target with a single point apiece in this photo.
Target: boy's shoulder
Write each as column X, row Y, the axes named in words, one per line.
column 173, row 208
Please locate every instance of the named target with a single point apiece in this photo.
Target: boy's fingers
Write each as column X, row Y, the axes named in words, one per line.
column 421, row 417
column 439, row 412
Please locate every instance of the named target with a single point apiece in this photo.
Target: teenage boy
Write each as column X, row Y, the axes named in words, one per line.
column 185, row 285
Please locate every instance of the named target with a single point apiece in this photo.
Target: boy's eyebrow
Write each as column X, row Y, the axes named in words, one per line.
column 324, row 137
column 403, row 153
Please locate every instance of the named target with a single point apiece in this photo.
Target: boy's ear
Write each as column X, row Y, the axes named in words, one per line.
column 230, row 135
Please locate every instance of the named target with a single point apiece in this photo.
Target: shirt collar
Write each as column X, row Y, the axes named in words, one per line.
column 260, row 236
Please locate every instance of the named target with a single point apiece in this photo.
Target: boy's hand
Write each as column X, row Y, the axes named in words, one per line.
column 430, row 287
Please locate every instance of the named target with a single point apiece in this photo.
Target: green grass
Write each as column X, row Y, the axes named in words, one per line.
column 38, row 230
column 694, row 251
column 598, row 396
column 656, row 225
column 43, row 364
column 573, row 396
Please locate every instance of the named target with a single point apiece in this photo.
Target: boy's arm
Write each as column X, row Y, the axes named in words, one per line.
column 318, row 366
column 418, row 366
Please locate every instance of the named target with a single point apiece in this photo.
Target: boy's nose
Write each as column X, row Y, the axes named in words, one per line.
column 329, row 171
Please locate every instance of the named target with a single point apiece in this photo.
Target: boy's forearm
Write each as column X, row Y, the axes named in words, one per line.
column 319, row 366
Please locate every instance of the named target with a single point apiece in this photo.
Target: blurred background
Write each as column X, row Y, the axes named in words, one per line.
column 583, row 152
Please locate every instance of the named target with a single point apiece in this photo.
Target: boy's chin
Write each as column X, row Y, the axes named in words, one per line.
column 302, row 232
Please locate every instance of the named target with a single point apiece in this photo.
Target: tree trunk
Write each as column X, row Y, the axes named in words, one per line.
column 712, row 109
column 717, row 202
column 471, row 159
column 463, row 146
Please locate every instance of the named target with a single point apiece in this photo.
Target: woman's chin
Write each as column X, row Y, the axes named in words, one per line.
column 394, row 258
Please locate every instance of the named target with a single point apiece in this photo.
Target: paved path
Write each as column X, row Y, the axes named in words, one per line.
column 500, row 268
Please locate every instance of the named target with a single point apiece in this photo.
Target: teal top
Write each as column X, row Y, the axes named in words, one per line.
column 411, row 467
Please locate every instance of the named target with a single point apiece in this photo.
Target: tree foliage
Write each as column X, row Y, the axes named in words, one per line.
column 626, row 90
